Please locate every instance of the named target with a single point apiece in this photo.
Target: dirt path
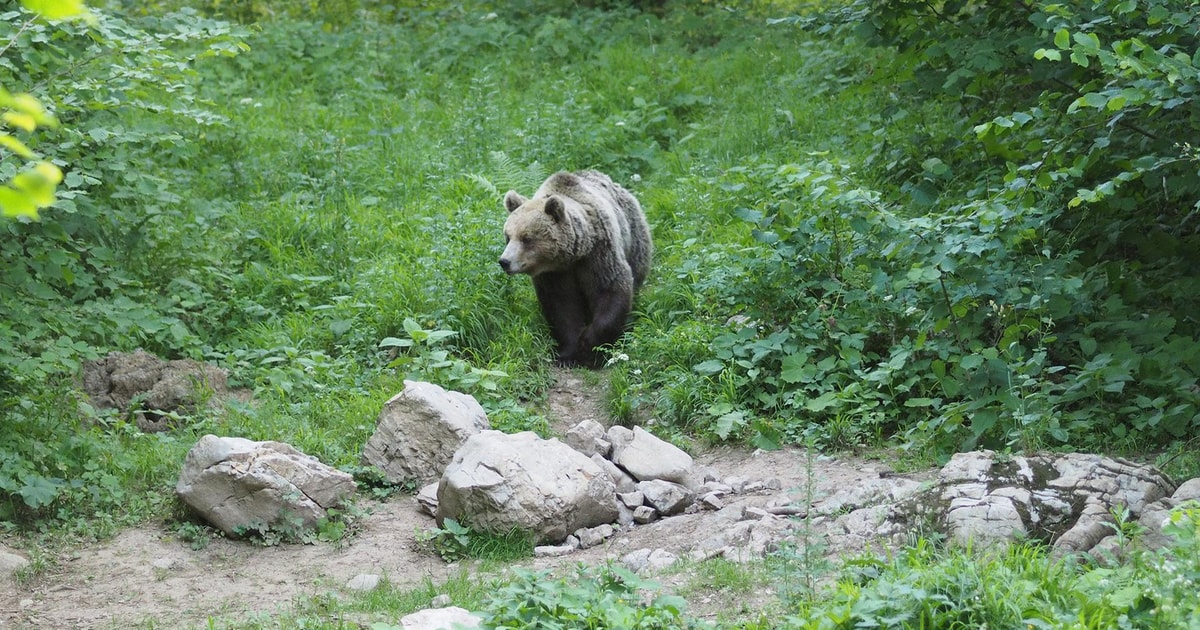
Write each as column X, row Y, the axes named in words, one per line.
column 147, row 573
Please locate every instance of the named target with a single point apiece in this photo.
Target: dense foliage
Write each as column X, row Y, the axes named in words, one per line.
column 1012, row 264
column 606, row 597
column 102, row 269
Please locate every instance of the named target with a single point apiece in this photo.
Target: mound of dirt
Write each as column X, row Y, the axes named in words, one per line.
column 156, row 391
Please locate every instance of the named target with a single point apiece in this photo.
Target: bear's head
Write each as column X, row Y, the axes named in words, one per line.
column 538, row 234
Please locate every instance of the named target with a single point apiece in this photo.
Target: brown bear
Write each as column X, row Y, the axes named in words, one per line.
column 585, row 242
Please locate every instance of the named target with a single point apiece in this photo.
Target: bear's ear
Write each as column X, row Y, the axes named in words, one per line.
column 555, row 208
column 513, row 200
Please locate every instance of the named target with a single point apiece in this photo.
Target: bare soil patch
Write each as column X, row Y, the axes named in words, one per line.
column 148, row 573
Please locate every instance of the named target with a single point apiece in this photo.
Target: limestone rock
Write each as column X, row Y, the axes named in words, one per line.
column 498, row 482
column 10, row 562
column 427, row 498
column 1154, row 518
column 647, row 560
column 590, row 438
column 647, row 457
column 363, row 582
column 554, row 551
column 164, row 388
column 644, row 514
column 666, row 497
column 451, row 618
column 869, row 493
column 594, row 536
column 746, row 540
column 419, row 430
column 1066, row 500
column 631, row 500
column 711, row 501
column 623, row 481
column 237, row 484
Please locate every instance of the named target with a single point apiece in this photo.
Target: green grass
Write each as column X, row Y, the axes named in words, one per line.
column 384, row 605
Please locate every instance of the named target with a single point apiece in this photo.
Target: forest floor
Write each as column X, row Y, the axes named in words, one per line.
column 148, row 576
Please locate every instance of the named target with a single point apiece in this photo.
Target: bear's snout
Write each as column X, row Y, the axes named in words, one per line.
column 506, row 265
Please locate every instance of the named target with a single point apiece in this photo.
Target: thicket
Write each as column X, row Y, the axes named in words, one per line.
column 1012, row 264
column 105, row 267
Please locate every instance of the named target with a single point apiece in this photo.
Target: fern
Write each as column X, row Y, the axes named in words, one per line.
column 508, row 175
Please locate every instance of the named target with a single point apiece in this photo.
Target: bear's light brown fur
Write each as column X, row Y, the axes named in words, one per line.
column 585, row 242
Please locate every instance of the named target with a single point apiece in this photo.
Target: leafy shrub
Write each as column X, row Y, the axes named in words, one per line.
column 454, row 541
column 1027, row 284
column 80, row 278
column 928, row 587
column 604, row 597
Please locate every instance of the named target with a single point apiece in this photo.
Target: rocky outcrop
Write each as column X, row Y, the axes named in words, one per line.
column 498, row 482
column 419, row 430
column 239, row 485
column 1152, row 524
column 1065, row 500
column 157, row 392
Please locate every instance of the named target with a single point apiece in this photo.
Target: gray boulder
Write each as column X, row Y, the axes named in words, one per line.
column 647, row 457
column 648, row 560
column 239, row 485
column 497, row 482
column 588, row 437
column 1154, row 518
column 418, row 431
column 1066, row 500
column 623, row 481
column 451, row 618
column 666, row 497
column 10, row 562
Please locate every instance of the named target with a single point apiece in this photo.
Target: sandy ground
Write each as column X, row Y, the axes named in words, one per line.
column 148, row 574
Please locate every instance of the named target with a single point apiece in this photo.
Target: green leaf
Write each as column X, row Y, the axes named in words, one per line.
column 56, row 9
column 938, row 367
column 726, row 424
column 1088, row 41
column 16, row 204
column 1062, row 39
column 393, row 342
column 340, row 327
column 709, row 367
column 794, row 368
column 39, row 491
column 1094, row 99
column 16, row 146
column 822, row 402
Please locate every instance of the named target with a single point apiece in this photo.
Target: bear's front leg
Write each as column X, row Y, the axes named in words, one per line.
column 610, row 312
column 565, row 309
